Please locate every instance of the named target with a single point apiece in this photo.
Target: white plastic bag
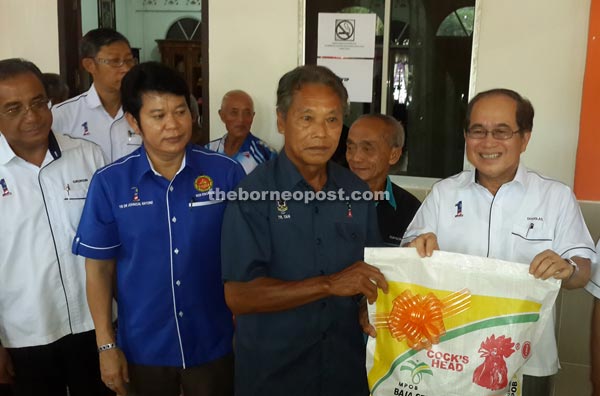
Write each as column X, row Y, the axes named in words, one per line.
column 453, row 324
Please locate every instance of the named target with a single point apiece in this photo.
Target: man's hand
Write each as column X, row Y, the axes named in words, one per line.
column 425, row 244
column 548, row 264
column 359, row 278
column 363, row 319
column 113, row 370
column 7, row 371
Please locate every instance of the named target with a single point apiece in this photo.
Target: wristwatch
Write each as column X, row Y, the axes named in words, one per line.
column 575, row 269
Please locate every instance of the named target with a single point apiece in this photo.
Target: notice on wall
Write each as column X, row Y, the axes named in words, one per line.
column 346, row 45
column 356, row 74
column 346, row 35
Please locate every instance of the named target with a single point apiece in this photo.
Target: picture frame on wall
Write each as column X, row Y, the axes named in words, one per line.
column 106, row 14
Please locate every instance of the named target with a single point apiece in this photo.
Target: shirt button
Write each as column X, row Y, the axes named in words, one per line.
column 318, row 241
column 171, row 188
column 176, row 251
column 317, row 209
column 323, row 304
column 324, row 336
column 174, row 219
column 180, row 314
column 178, row 283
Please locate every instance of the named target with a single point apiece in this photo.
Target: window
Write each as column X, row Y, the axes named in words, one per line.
column 426, row 62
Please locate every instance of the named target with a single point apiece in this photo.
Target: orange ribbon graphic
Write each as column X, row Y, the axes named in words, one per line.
column 420, row 319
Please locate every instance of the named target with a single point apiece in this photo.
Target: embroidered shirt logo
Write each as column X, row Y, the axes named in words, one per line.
column 5, row 190
column 203, row 183
column 135, row 200
column 136, row 194
column 86, row 130
column 282, row 208
column 459, row 212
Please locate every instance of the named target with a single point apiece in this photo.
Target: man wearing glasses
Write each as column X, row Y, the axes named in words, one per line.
column 96, row 115
column 503, row 210
column 47, row 340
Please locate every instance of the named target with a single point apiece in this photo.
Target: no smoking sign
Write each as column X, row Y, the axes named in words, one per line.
column 344, row 29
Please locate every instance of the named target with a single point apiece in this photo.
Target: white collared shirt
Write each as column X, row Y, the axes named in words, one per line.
column 42, row 284
column 526, row 216
column 84, row 117
column 593, row 285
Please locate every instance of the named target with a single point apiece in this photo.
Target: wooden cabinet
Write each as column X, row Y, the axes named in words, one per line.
column 185, row 57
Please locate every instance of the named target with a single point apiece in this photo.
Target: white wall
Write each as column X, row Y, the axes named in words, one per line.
column 252, row 44
column 29, row 29
column 141, row 23
column 538, row 48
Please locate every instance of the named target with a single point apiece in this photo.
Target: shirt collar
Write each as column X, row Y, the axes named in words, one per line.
column 288, row 177
column 520, row 176
column 390, row 192
column 92, row 99
column 7, row 153
column 143, row 165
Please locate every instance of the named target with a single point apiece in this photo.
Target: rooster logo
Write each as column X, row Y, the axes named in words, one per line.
column 493, row 373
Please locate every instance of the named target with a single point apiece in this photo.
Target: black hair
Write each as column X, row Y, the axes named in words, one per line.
column 95, row 39
column 57, row 89
column 524, row 114
column 150, row 77
column 12, row 67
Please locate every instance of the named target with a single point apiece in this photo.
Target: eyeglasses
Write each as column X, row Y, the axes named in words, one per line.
column 501, row 133
column 19, row 110
column 116, row 63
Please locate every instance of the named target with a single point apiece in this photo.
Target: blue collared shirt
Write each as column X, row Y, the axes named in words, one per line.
column 253, row 152
column 318, row 348
column 165, row 236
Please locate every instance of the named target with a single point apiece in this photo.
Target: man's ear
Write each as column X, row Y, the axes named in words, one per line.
column 89, row 65
column 133, row 123
column 395, row 155
column 280, row 122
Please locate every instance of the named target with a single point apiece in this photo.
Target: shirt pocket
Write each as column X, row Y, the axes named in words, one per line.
column 530, row 238
column 75, row 193
column 351, row 239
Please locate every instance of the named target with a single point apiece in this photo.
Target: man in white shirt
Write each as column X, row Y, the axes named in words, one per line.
column 505, row 211
column 47, row 341
column 96, row 115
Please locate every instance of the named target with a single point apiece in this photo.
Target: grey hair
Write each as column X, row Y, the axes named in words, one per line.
column 396, row 134
column 295, row 79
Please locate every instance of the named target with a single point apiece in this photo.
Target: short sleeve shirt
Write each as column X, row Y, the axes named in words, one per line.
column 42, row 284
column 593, row 285
column 165, row 236
column 84, row 117
column 528, row 215
column 317, row 348
column 253, row 152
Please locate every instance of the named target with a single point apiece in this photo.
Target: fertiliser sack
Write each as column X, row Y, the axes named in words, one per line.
column 452, row 324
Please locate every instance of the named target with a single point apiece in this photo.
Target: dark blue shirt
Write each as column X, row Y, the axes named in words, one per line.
column 317, row 348
column 165, row 236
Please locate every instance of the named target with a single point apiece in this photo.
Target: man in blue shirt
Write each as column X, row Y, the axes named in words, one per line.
column 237, row 113
column 293, row 269
column 150, row 220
